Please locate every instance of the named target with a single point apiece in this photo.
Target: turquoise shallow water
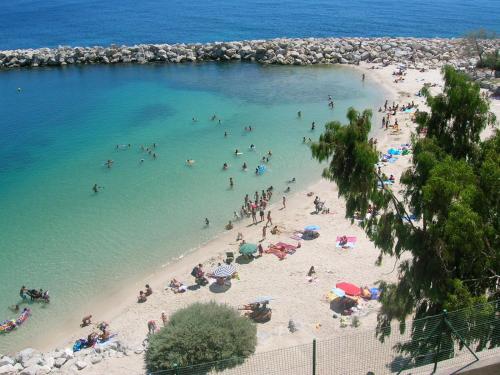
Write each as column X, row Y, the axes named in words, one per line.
column 57, row 132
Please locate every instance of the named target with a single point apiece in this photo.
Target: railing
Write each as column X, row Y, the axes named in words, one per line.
column 450, row 339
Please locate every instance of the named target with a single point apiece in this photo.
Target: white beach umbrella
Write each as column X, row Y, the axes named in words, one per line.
column 224, row 270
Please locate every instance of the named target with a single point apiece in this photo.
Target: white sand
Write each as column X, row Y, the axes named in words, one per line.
column 285, row 280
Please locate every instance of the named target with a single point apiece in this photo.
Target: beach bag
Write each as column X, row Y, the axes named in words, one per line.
column 194, row 272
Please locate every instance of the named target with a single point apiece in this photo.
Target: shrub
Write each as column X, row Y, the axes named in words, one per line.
column 199, row 334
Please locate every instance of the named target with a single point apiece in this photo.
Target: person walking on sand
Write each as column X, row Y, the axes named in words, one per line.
column 284, row 201
column 262, row 213
column 164, row 318
column 264, row 231
column 254, row 216
column 151, row 327
column 269, row 220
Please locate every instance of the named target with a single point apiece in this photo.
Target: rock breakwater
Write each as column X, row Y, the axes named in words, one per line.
column 413, row 52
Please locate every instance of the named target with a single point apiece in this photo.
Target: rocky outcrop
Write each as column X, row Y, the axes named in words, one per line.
column 412, row 52
column 32, row 362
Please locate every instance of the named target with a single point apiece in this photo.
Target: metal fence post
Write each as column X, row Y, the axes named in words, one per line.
column 314, row 357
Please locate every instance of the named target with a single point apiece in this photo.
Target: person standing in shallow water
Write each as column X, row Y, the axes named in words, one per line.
column 207, row 222
column 231, row 182
column 299, row 114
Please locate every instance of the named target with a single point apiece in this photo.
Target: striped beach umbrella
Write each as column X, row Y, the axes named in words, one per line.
column 224, row 270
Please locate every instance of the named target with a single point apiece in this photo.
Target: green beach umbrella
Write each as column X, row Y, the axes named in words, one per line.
column 248, row 249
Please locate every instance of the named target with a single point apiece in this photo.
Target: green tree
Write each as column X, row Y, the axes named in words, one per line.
column 199, row 335
column 473, row 45
column 447, row 213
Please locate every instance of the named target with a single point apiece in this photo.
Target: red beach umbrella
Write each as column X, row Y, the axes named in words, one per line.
column 349, row 289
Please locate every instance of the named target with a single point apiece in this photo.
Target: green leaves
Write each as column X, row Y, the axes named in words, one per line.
column 447, row 214
column 200, row 335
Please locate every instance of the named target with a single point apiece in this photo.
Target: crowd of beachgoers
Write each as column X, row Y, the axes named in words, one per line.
column 323, row 284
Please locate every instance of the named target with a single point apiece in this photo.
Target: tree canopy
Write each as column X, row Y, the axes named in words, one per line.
column 202, row 335
column 447, row 212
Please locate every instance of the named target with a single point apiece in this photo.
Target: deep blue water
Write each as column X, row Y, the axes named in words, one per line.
column 41, row 23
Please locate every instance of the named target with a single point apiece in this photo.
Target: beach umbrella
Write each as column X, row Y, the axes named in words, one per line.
column 224, row 270
column 349, row 289
column 338, row 292
column 312, row 227
column 248, row 249
column 263, row 299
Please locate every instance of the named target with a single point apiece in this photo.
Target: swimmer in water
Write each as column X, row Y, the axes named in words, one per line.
column 18, row 89
column 154, row 156
column 299, row 114
column 195, row 119
column 287, row 190
column 141, row 161
column 304, row 140
column 231, row 182
column 109, row 163
column 207, row 223
column 313, row 125
column 236, row 152
column 244, row 166
column 225, row 134
column 257, row 170
column 225, row 166
column 252, row 147
column 269, row 153
column 214, row 117
column 249, row 128
column 95, row 188
column 189, row 161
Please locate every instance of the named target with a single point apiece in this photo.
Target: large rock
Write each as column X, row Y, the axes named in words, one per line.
column 32, row 370
column 80, row 365
column 95, row 359
column 59, row 362
column 8, row 370
column 6, row 361
column 26, row 354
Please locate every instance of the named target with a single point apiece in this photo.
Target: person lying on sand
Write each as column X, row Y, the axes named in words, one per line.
column 86, row 320
column 142, row 297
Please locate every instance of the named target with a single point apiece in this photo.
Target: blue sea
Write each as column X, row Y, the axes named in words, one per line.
column 49, row 23
column 57, row 132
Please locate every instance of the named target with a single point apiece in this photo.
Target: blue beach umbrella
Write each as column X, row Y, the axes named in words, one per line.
column 312, row 227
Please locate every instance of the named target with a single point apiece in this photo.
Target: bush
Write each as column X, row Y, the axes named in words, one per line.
column 199, row 334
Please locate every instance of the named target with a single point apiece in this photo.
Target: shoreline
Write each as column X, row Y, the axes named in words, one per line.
column 268, row 276
column 109, row 306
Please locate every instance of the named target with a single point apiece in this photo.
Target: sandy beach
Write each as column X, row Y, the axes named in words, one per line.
column 295, row 298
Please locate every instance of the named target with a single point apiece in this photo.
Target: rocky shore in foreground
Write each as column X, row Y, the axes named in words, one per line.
column 413, row 52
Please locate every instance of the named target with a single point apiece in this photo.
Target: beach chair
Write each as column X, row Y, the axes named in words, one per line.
column 229, row 257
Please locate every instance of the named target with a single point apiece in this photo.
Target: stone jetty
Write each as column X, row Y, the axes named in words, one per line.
column 413, row 52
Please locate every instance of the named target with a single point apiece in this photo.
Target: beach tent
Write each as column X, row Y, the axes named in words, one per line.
column 248, row 249
column 224, row 270
column 349, row 289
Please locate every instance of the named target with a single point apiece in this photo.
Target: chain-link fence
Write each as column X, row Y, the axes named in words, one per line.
column 421, row 346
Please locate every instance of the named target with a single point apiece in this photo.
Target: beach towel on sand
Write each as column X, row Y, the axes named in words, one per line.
column 351, row 242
